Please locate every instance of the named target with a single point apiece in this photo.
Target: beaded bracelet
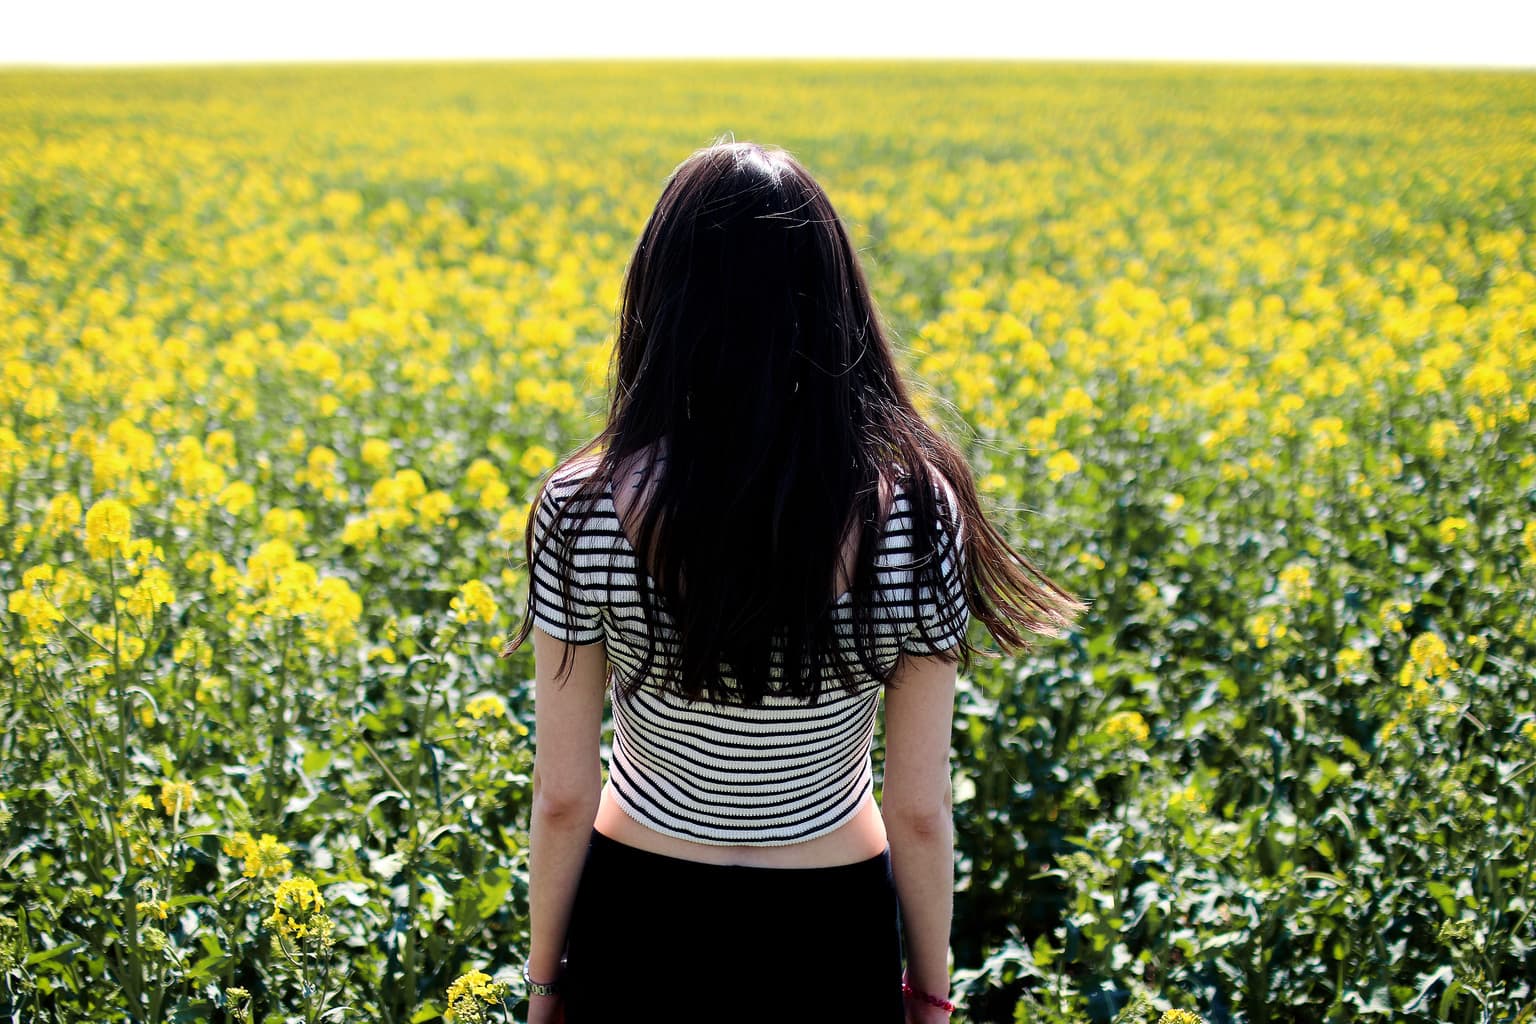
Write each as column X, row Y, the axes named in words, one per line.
column 927, row 997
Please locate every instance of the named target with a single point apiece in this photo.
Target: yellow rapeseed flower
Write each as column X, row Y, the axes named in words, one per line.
column 1441, row 432
column 108, row 524
column 157, row 909
column 475, row 603
column 376, row 454
column 1327, row 433
column 298, row 911
column 1264, row 627
column 1348, row 660
column 471, row 995
column 494, row 495
column 61, row 517
column 219, row 446
column 177, row 796
column 40, row 614
column 1428, row 659
column 289, row 524
column 536, row 460
column 1391, row 614
column 1061, row 464
column 512, row 525
column 41, row 573
column 481, row 472
column 433, row 508
column 1127, row 723
column 360, row 531
column 1179, row 1017
column 319, row 466
column 138, row 552
column 263, row 858
column 151, row 591
column 1296, row 583
column 1450, row 528
column 488, row 706
column 236, row 497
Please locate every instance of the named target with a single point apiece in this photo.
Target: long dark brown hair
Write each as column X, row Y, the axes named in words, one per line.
column 751, row 356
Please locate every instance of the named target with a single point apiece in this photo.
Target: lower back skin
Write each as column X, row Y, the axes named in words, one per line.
column 857, row 839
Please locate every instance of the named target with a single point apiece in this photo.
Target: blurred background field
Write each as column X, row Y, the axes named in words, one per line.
column 1245, row 355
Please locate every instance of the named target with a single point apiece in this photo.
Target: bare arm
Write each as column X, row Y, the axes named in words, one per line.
column 917, row 805
column 567, row 783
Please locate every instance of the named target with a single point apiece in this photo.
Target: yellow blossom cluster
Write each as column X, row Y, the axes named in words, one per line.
column 1450, row 529
column 1428, row 660
column 321, row 472
column 1190, row 797
column 1348, row 661
column 1296, row 583
column 40, row 614
column 277, row 586
column 262, row 858
column 470, row 997
column 108, row 524
column 151, row 591
column 1391, row 615
column 177, row 797
column 1180, row 1017
column 1265, row 628
column 474, row 603
column 478, row 708
column 1127, row 723
column 157, row 909
column 298, row 912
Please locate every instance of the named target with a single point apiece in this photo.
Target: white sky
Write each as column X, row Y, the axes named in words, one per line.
column 1464, row 33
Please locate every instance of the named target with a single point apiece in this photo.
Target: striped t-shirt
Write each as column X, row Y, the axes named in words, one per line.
column 773, row 775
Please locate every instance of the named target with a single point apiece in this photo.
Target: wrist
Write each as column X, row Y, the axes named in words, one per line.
column 542, row 983
column 938, row 1002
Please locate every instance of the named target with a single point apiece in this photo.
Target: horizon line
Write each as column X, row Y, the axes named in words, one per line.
column 926, row 58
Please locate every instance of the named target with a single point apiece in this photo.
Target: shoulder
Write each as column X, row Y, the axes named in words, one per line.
column 561, row 504
column 941, row 492
column 569, row 476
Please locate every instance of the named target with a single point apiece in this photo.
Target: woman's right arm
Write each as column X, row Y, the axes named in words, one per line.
column 916, row 804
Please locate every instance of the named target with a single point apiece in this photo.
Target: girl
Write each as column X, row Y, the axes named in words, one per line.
column 764, row 539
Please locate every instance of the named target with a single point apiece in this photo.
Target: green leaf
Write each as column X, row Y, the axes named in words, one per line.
column 44, row 955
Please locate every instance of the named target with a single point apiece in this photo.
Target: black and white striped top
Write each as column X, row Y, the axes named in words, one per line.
column 763, row 776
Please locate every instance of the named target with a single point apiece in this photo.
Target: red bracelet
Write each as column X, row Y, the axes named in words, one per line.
column 927, row 997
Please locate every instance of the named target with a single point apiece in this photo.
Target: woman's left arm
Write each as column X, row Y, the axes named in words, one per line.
column 567, row 783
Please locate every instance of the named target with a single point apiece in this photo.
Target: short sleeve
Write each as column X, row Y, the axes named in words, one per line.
column 570, row 615
column 945, row 614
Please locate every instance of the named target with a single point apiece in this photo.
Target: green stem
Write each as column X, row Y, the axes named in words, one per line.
column 117, row 682
column 279, row 730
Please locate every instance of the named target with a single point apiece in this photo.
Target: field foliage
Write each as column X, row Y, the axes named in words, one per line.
column 1244, row 356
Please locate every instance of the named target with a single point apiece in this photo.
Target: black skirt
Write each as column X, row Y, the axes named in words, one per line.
column 653, row 937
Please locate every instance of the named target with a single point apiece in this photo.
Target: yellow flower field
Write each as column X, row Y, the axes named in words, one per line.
column 1244, row 355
